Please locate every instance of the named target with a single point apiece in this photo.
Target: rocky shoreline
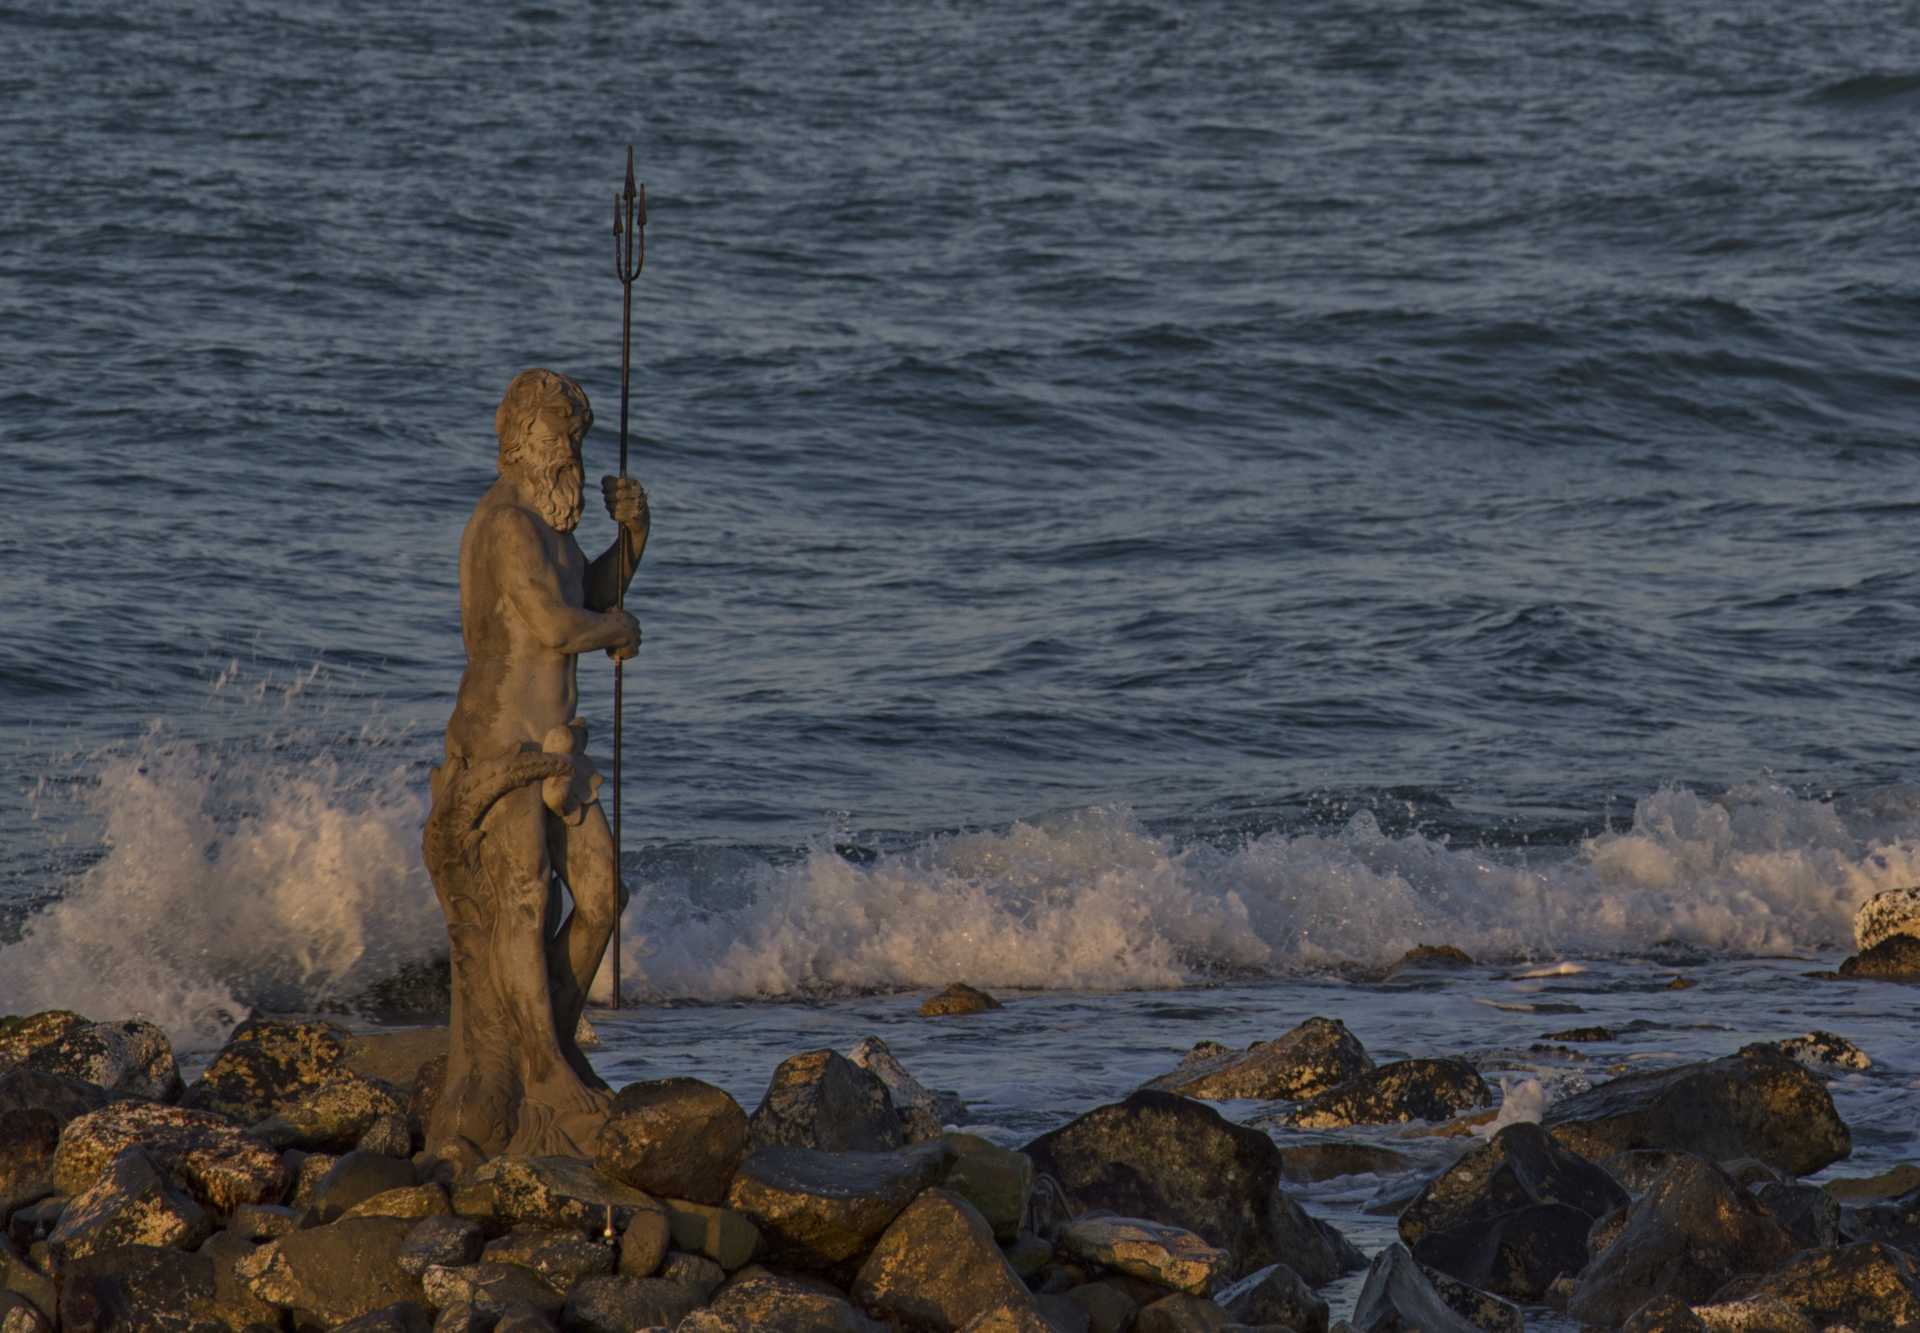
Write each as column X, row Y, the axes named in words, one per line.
column 285, row 1189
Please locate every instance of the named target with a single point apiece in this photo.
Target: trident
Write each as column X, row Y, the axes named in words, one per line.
column 629, row 257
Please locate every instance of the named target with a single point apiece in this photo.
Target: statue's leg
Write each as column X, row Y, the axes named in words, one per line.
column 586, row 851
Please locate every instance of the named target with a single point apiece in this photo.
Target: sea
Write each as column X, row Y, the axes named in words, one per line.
column 1159, row 508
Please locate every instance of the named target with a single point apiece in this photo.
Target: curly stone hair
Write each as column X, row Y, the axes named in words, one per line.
column 534, row 394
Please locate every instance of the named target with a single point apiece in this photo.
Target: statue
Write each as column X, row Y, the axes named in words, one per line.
column 515, row 809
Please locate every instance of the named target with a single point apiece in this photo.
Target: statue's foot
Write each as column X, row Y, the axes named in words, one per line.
column 561, row 1123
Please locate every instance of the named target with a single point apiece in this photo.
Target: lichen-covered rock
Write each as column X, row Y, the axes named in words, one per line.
column 150, row 1288
column 756, row 1299
column 390, row 1135
column 1820, row 1051
column 907, row 1092
column 130, row 1057
column 1168, row 1256
column 1888, row 913
column 1691, row 1232
column 410, row 1201
column 959, row 998
column 263, row 1221
column 1179, row 1161
column 1401, row 1296
column 133, row 1203
column 936, row 1266
column 239, row 1307
column 1315, row 1057
column 821, row 1099
column 213, row 1159
column 336, row 1272
column 331, row 1114
column 819, row 1209
column 560, row 1256
column 675, row 1138
column 1393, row 1094
column 266, row 1065
column 491, row 1289
column 1866, row 1285
column 1755, row 1103
column 995, row 1180
column 1278, row 1296
column 1895, row 958
column 353, row 1179
column 617, row 1304
column 447, row 1242
column 548, row 1192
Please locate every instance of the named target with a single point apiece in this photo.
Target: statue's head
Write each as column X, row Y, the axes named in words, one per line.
column 541, row 420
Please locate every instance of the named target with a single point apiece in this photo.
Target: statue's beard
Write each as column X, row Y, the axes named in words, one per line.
column 558, row 498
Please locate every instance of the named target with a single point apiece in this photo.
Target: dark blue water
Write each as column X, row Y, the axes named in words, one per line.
column 1261, row 479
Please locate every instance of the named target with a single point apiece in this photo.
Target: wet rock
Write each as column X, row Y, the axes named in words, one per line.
column 1401, row 1296
column 561, row 1257
column 1866, row 1285
column 130, row 1057
column 643, row 1245
column 1179, row 1161
column 1434, row 956
column 677, row 1138
column 336, row 1272
column 959, row 998
column 908, row 1093
column 995, row 1180
column 389, row 1135
column 448, row 1242
column 411, row 1201
column 1888, row 913
column 616, row 1304
column 149, row 1288
column 1895, row 958
column 400, row 1317
column 1692, row 1231
column 1807, row 1213
column 727, row 1237
column 219, row 1164
column 132, row 1204
column 1277, row 1296
column 1315, row 1057
column 937, row 1266
column 1393, row 1094
column 1890, row 1184
column 1306, row 1157
column 1894, row 1221
column 266, row 1065
column 1756, row 1103
column 491, row 1289
column 1820, row 1051
column 1511, row 1216
column 1180, row 1313
column 757, row 1299
column 821, row 1099
column 355, row 1178
column 548, row 1192
column 819, row 1209
column 1583, row 1034
column 1170, row 1256
column 27, row 1142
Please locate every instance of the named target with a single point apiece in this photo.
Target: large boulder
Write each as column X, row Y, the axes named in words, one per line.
column 336, row 1272
column 1888, row 913
column 821, row 1099
column 819, row 1209
column 1896, row 958
column 1401, row 1296
column 937, row 1267
column 213, row 1159
column 266, row 1065
column 1395, row 1093
column 1315, row 1057
column 1173, row 1159
column 333, row 1113
column 131, row 1057
column 677, row 1138
column 1511, row 1216
column 1866, row 1285
column 1756, row 1103
column 132, row 1204
column 1687, row 1236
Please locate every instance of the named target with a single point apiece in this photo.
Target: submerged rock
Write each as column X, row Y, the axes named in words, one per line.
column 1888, row 913
column 1895, row 958
column 129, row 1057
column 959, row 998
column 222, row 1166
column 1172, row 1159
column 1311, row 1058
column 819, row 1209
column 1395, row 1093
column 1400, row 1296
column 821, row 1099
column 675, row 1137
column 1756, row 1103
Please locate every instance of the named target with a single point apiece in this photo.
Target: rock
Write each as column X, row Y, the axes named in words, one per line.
column 821, row 1099
column 20, row 1315
column 446, row 1242
column 1893, row 1221
column 411, row 1201
column 355, row 1178
column 23, row 1090
column 1315, row 1057
column 130, row 1057
column 548, row 1192
column 132, row 1204
column 491, row 1289
column 263, row 1221
column 959, row 998
column 995, row 1180
column 561, row 1257
column 1107, row 1307
column 1807, row 1213
column 1583, row 1034
column 1306, row 1157
column 907, row 1092
column 389, row 1135
column 1179, row 1161
column 1824, row 1050
column 1180, row 1313
column 643, row 1244
column 335, row 1272
column 307, row 1170
column 1866, row 1285
column 819, row 1209
column 1890, row 1184
column 27, row 1142
column 675, row 1137
column 1756, row 1103
column 239, row 1307
column 464, row 1319
column 21, row 1278
column 1888, row 913
column 1400, row 1296
column 1511, row 1216
column 1665, row 1314
column 937, row 1265
column 523, row 1319
column 400, row 1317
column 727, row 1237
column 36, row 1221
column 1170, row 1256
column 1434, row 956
column 266, row 1065
column 331, row 1114
column 696, row 1272
column 216, row 1162
column 616, row 1304
column 1276, row 1296
column 1895, row 958
column 1013, row 1319
column 1687, row 1235
column 139, row 1287
column 1395, row 1093
column 1026, row 1252
column 756, row 1299
column 393, row 1055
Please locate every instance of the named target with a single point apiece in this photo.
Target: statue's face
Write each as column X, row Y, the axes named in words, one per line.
column 553, row 459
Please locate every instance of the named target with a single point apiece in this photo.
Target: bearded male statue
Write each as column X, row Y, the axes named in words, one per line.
column 516, row 812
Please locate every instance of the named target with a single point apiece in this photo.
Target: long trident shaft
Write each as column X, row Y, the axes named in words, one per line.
column 629, row 257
